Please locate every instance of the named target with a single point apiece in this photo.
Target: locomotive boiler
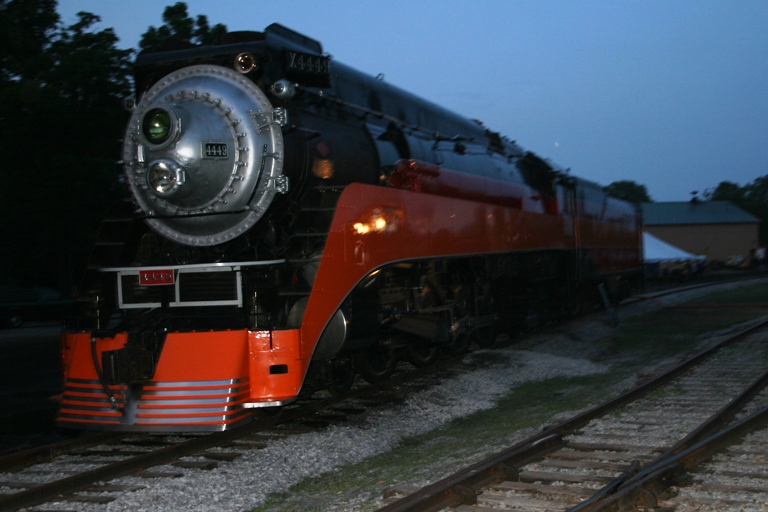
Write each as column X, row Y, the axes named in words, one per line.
column 293, row 223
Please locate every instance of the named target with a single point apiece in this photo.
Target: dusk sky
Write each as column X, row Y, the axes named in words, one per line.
column 669, row 94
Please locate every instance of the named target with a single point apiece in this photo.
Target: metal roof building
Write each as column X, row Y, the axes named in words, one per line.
column 716, row 229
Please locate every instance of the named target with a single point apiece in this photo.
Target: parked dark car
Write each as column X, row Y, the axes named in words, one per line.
column 18, row 305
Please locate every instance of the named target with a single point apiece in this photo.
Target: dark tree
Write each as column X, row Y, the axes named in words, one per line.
column 752, row 197
column 179, row 25
column 25, row 29
column 756, row 203
column 726, row 191
column 61, row 91
column 757, row 190
column 61, row 121
column 629, row 191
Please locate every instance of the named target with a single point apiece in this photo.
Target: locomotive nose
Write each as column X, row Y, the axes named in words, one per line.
column 191, row 148
column 203, row 155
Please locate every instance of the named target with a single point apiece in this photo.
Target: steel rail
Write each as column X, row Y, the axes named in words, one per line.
column 81, row 481
column 53, row 490
column 18, row 460
column 462, row 487
column 644, row 488
column 633, row 484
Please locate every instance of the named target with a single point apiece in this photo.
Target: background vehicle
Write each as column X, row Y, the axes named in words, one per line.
column 19, row 305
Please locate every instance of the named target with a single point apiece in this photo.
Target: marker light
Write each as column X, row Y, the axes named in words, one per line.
column 157, row 125
column 361, row 228
column 245, row 62
column 384, row 220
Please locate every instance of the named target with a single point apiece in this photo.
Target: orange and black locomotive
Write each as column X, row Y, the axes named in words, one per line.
column 294, row 223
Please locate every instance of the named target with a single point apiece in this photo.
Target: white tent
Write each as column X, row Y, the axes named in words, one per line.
column 656, row 250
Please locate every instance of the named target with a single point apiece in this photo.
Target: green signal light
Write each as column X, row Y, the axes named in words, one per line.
column 157, row 126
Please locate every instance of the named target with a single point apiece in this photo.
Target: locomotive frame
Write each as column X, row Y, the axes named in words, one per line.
column 294, row 222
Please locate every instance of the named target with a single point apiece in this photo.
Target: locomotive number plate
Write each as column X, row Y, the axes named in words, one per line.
column 215, row 150
column 156, row 277
column 297, row 62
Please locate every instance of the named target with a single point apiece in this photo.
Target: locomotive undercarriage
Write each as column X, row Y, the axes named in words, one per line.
column 443, row 306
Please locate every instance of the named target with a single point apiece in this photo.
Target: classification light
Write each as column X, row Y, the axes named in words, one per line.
column 157, row 126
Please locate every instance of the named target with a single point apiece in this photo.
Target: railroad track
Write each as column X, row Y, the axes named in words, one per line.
column 80, row 469
column 643, row 449
column 92, row 460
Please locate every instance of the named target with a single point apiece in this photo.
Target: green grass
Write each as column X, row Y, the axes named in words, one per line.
column 753, row 294
column 634, row 344
column 456, row 444
column 675, row 330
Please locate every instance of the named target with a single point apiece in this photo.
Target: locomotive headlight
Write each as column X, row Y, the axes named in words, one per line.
column 157, row 126
column 165, row 176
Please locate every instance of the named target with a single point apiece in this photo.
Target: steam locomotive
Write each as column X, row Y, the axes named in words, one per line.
column 294, row 223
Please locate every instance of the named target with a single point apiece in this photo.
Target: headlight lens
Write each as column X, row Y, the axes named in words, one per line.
column 164, row 177
column 157, row 126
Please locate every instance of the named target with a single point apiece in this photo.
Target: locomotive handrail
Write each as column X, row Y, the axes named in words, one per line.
column 507, row 150
column 232, row 264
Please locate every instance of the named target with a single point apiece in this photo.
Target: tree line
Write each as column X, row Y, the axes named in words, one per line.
column 62, row 88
